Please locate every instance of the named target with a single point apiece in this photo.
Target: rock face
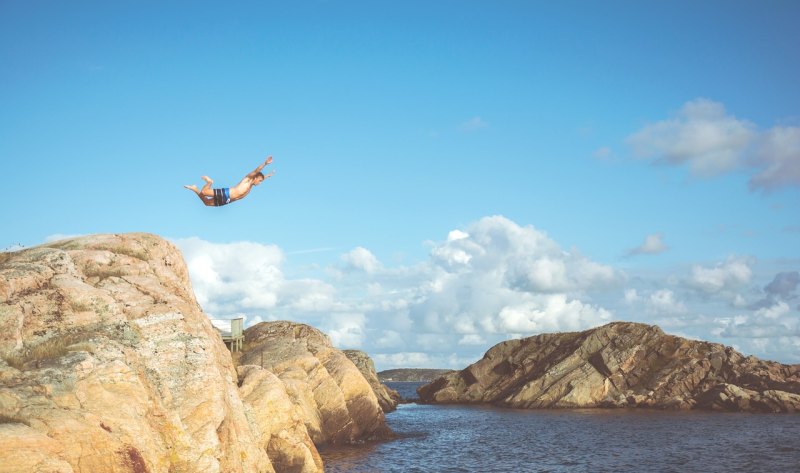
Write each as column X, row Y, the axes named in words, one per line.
column 107, row 363
column 338, row 404
column 616, row 365
column 387, row 398
column 280, row 422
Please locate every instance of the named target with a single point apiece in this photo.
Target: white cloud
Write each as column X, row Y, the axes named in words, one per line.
column 403, row 360
column 390, row 339
column 704, row 136
column 773, row 312
column 362, row 259
column 631, row 296
column 728, row 276
column 550, row 313
column 472, row 125
column 346, row 330
column 481, row 284
column 456, row 235
column 665, row 302
column 472, row 339
column 777, row 159
column 231, row 277
column 652, row 245
column 385, row 361
column 657, row 304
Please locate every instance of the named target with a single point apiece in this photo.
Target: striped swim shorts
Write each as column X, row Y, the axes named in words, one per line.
column 222, row 197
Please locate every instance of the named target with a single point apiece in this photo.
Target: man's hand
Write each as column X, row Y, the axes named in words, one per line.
column 269, row 160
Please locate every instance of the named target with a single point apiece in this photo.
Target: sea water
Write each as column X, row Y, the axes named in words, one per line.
column 435, row 438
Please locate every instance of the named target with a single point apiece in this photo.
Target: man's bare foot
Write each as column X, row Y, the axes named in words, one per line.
column 192, row 188
column 207, row 179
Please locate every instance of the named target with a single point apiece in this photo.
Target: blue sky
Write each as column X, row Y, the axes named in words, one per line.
column 448, row 174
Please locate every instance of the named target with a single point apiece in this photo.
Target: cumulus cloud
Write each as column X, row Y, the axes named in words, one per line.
column 652, row 245
column 480, row 285
column 705, row 137
column 518, row 258
column 728, row 276
column 472, row 339
column 665, row 302
column 489, row 281
column 657, row 303
column 228, row 278
column 549, row 314
column 702, row 135
column 361, row 259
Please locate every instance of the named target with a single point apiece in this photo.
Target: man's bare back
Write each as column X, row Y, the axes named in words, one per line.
column 222, row 196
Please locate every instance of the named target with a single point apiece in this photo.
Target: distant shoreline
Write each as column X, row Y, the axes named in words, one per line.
column 411, row 375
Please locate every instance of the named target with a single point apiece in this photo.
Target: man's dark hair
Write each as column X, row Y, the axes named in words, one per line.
column 259, row 174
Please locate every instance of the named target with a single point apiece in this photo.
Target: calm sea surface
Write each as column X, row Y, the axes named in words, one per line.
column 484, row 439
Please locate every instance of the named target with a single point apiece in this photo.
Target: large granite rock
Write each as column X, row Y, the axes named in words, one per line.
column 108, row 364
column 620, row 364
column 338, row 404
column 387, row 398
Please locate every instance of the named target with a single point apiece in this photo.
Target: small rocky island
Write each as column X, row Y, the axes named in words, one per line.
column 413, row 375
column 620, row 365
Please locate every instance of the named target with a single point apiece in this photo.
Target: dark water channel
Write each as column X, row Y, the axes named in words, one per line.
column 486, row 439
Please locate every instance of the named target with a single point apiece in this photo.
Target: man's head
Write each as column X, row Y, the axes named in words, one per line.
column 258, row 179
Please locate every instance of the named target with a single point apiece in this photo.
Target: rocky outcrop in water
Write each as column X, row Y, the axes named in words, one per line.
column 387, row 398
column 337, row 403
column 618, row 365
column 416, row 375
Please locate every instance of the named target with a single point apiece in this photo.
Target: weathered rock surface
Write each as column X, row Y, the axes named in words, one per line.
column 620, row 364
column 108, row 364
column 280, row 422
column 387, row 398
column 338, row 404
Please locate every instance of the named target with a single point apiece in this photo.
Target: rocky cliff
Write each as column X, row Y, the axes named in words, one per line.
column 337, row 403
column 108, row 364
column 616, row 365
column 387, row 398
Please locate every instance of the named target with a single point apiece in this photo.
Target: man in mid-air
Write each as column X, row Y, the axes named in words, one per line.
column 219, row 197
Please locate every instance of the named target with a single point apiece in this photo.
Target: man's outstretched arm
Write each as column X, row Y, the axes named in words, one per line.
column 259, row 168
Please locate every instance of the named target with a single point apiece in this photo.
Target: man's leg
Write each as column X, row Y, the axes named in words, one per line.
column 207, row 190
column 207, row 199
